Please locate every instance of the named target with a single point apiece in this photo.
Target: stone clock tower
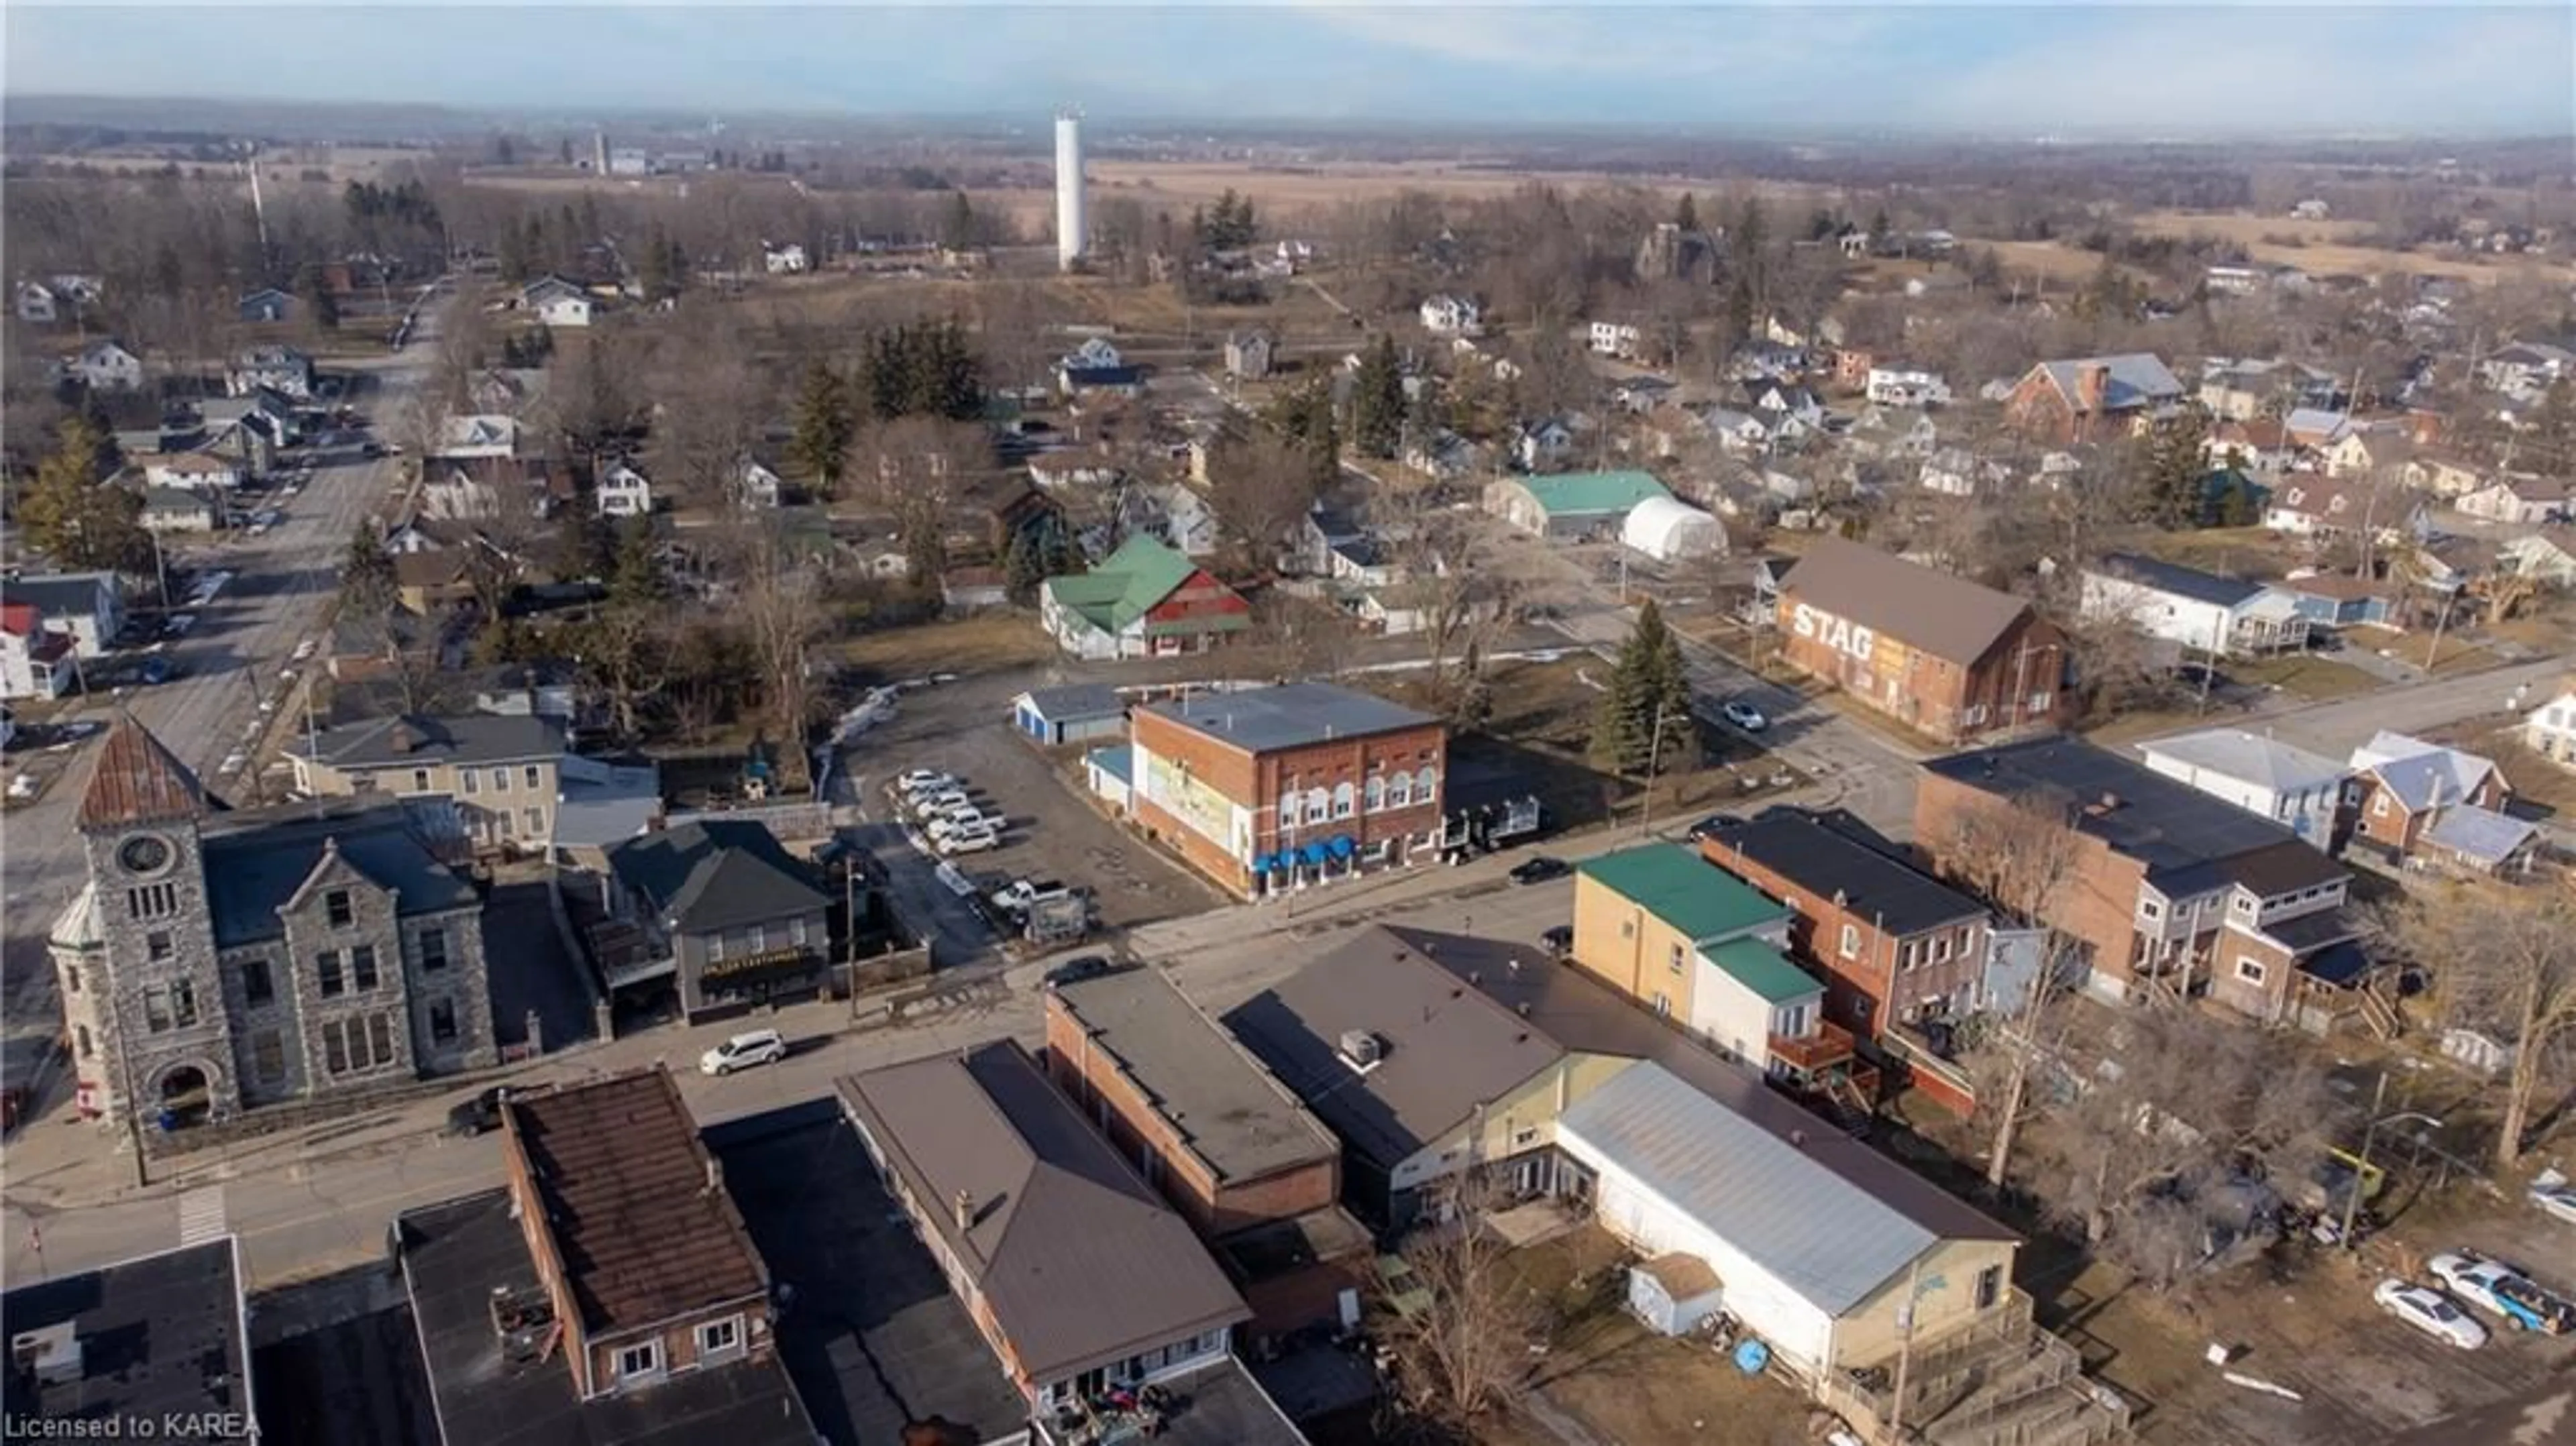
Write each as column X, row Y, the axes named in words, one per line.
column 153, row 995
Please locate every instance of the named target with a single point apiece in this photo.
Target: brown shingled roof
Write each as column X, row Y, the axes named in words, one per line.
column 637, row 1214
column 1927, row 610
column 137, row 780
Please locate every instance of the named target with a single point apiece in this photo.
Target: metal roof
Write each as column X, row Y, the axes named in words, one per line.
column 1828, row 863
column 2481, row 834
column 1696, row 898
column 1076, row 700
column 421, row 740
column 1930, row 611
column 1217, row 1100
column 137, row 780
column 1079, row 1263
column 2135, row 379
column 1764, row 970
column 2421, row 774
column 1291, row 715
column 2186, row 582
column 1588, row 494
column 2245, row 757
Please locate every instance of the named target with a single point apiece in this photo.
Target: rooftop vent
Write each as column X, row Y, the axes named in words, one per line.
column 965, row 1204
column 1362, row 1050
column 1521, row 1009
column 51, row 1354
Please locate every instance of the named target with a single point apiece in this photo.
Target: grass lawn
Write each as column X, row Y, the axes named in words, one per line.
column 2231, row 551
column 983, row 642
column 2306, row 674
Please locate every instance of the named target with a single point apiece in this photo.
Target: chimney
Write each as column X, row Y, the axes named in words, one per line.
column 965, row 1211
column 2092, row 384
column 2110, row 800
column 1521, row 1009
column 1475, row 978
column 715, row 1175
column 402, row 739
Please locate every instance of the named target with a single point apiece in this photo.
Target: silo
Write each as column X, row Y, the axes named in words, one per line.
column 1072, row 216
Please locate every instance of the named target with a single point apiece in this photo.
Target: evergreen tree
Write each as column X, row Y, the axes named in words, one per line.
column 1022, row 568
column 1377, row 401
column 74, row 517
column 367, row 581
column 1648, row 682
column 653, row 268
column 516, row 262
column 1686, row 213
column 2174, row 467
column 636, row 580
column 825, row 428
column 321, row 308
column 957, row 226
column 1879, row 229
column 2236, row 506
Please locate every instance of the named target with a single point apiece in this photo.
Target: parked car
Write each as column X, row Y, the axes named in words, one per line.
column 23, row 787
column 2558, row 1201
column 2431, row 1312
column 1540, row 869
column 1021, row 895
column 156, row 670
column 924, row 780
column 760, row 1046
column 1559, row 940
column 2502, row 1291
column 475, row 1114
column 178, row 624
column 1743, row 715
column 1074, row 971
column 969, row 841
column 924, row 805
column 1709, row 826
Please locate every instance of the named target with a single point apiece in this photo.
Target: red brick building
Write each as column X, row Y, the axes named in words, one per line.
column 1270, row 788
column 2092, row 399
column 1942, row 655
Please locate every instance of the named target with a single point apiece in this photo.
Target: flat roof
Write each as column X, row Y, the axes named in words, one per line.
column 457, row 1256
column 1826, row 861
column 1290, row 715
column 1219, row 1099
column 625, row 1182
column 1221, row 1405
column 159, row 1335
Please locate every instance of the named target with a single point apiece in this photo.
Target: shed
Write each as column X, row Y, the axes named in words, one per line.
column 1110, row 772
column 1669, row 530
column 1673, row 1293
column 1571, row 505
column 1078, row 713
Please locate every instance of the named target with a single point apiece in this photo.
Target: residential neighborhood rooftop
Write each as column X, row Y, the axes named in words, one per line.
column 2188, row 582
column 716, row 874
column 2247, row 757
column 1764, row 970
column 1935, row 612
column 1289, row 715
column 1676, row 885
column 421, row 740
column 1830, row 863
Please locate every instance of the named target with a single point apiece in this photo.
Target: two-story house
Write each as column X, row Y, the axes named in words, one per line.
column 556, row 302
column 504, row 773
column 2414, row 799
column 2550, row 729
column 35, row 660
column 720, row 909
column 1446, row 315
column 1906, row 384
column 2302, row 791
column 280, row 369
column 2093, row 398
column 2201, row 611
column 624, row 491
column 107, row 366
column 87, row 607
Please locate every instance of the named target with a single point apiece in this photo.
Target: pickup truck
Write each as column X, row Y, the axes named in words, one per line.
column 1021, row 895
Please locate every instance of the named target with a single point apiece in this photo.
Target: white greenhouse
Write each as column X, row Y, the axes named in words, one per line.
column 1669, row 530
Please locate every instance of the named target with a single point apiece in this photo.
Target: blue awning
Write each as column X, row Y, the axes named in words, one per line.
column 1342, row 846
column 1314, row 853
column 1263, row 863
column 1281, row 862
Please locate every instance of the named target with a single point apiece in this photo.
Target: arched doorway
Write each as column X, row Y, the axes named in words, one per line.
column 187, row 1097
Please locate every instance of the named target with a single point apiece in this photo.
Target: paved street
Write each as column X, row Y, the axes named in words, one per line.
column 282, row 587
column 2336, row 728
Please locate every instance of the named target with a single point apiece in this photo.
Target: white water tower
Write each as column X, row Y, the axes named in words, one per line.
column 1072, row 216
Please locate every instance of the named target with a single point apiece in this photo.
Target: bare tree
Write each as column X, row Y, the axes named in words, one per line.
column 1261, row 489
column 2509, row 971
column 1456, row 581
column 779, row 605
column 1465, row 1356
column 708, row 409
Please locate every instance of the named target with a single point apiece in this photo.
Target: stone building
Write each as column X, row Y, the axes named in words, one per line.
column 220, row 960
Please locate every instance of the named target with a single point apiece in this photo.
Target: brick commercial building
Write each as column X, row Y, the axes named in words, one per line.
column 219, row 961
column 2169, row 892
column 1940, row 654
column 1272, row 788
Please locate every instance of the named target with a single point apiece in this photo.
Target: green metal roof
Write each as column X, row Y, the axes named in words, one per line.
column 1570, row 494
column 1126, row 585
column 1694, row 896
column 1764, row 970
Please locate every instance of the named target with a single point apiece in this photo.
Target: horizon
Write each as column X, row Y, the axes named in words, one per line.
column 1931, row 72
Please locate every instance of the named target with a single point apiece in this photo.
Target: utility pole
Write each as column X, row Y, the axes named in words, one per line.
column 2439, row 624
column 1654, row 756
column 2361, row 1176
column 1904, row 1349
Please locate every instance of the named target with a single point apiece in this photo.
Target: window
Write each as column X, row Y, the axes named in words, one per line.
column 433, row 950
column 1373, row 797
column 500, row 780
column 2379, row 806
column 1990, row 1286
column 442, row 1021
column 720, row 1337
column 1861, row 1005
column 157, row 945
column 1940, row 948
column 268, row 1057
column 362, row 783
column 257, row 987
column 71, row 979
column 532, row 822
column 326, row 974
column 2250, row 970
column 1319, row 805
column 380, row 1037
column 1627, row 928
column 362, row 966
column 1663, row 1005
column 472, row 780
column 637, row 1361
column 1850, row 947
column 1426, row 784
column 420, row 780
column 759, row 940
column 335, row 1054
column 2150, row 909
column 1908, row 953
column 1345, row 800
column 1676, row 959
column 1399, row 789
column 796, row 931
column 534, row 778
column 156, row 1008
column 80, row 1037
column 152, row 901
column 2041, row 702
column 336, row 908
column 715, row 948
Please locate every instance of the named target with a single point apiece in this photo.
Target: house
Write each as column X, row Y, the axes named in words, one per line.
column 1906, row 384
column 177, row 510
column 2301, row 791
column 1072, row 713
column 454, row 488
column 1334, row 544
column 1077, row 1275
column 623, row 491
column 1144, row 600
column 2092, row 398
column 477, row 435
column 35, row 303
column 1271, row 789
column 2170, row 893
column 106, row 366
column 1174, row 513
column 2526, row 367
column 2443, row 476
column 1446, row 315
column 2522, row 500
column 1616, row 338
column 1438, row 1057
column 1778, row 405
column 2217, row 615
column 1443, row 454
column 2306, row 505
column 756, row 486
column 2363, row 450
column 609, row 1292
column 1943, row 655
column 1256, row 1175
column 1958, row 472
column 2260, row 445
column 1084, row 467
column 35, row 660
column 724, row 912
column 1571, row 505
column 88, row 607
column 163, row 1338
column 1096, row 353
column 265, row 306
column 786, row 260
column 973, row 588
column 279, row 369
column 1641, row 393
column 1738, row 433
column 556, row 302
column 1893, row 945
column 197, row 471
column 1669, row 530
column 1541, row 444
column 504, row 774
column 2404, row 787
column 1077, row 383
column 1893, row 433
column 2550, row 729
column 1248, row 354
column 2547, row 557
column 2331, row 601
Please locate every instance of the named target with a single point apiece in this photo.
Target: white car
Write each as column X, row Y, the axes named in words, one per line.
column 2431, row 1312
column 2556, row 1201
column 924, row 780
column 1743, row 715
column 760, row 1046
column 926, row 805
column 2474, row 1278
column 307, row 649
column 24, row 787
column 969, row 841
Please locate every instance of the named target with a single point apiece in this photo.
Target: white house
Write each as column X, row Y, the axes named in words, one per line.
column 35, row 302
column 478, row 435
column 2549, row 559
column 280, row 369
column 1178, row 515
column 176, row 509
column 89, row 607
column 2199, row 610
column 1446, row 315
column 2550, row 729
column 197, row 470
column 2520, row 499
column 756, row 487
column 624, row 492
column 556, row 302
column 2299, row 790
column 1907, row 384
column 35, row 661
column 1097, row 353
column 107, row 366
column 1958, row 472
column 1544, row 443
column 787, row 260
column 2307, row 505
column 1612, row 338
column 1739, row 433
column 2526, row 367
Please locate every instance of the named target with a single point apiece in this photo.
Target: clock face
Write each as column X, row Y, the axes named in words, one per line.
column 144, row 854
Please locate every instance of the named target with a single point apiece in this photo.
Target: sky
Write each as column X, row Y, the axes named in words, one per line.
column 2070, row 68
